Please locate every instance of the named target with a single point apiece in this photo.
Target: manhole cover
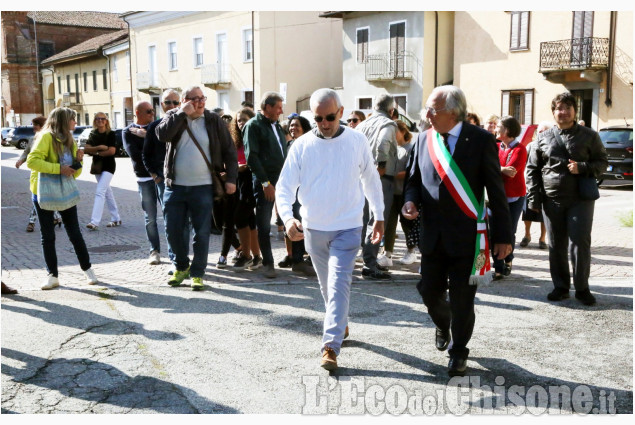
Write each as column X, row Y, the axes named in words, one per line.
column 104, row 249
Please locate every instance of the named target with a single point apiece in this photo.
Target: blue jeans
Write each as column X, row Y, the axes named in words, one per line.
column 178, row 202
column 515, row 210
column 47, row 230
column 264, row 210
column 149, row 194
column 333, row 256
column 186, row 230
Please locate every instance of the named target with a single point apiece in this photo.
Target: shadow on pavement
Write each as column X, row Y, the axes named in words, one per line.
column 102, row 384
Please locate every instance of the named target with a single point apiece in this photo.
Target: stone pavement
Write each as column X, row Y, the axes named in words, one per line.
column 251, row 345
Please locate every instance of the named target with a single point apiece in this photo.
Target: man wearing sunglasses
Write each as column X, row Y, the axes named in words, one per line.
column 133, row 137
column 265, row 150
column 381, row 132
column 153, row 159
column 198, row 144
column 332, row 170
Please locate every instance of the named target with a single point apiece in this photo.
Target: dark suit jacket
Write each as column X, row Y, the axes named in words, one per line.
column 440, row 217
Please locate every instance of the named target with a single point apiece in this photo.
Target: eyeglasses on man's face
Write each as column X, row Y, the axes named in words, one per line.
column 430, row 110
column 352, row 120
column 197, row 99
column 172, row 102
column 150, row 111
column 329, row 117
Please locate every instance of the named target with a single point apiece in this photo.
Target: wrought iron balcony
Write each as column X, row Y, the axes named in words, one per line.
column 390, row 66
column 215, row 75
column 577, row 54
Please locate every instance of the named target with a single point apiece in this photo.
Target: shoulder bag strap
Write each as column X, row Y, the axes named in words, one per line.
column 200, row 149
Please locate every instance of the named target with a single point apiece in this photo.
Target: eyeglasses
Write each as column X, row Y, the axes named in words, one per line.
column 329, row 117
column 101, row 119
column 172, row 102
column 352, row 120
column 432, row 111
column 197, row 99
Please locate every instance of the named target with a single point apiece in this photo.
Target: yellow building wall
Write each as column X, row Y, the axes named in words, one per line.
column 484, row 65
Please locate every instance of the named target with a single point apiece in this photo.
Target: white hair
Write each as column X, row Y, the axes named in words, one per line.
column 454, row 100
column 168, row 92
column 190, row 89
column 544, row 125
column 323, row 95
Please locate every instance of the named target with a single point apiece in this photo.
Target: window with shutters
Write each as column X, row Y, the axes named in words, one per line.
column 581, row 38
column 94, row 80
column 198, row 51
column 519, row 34
column 85, row 81
column 362, row 44
column 397, row 33
column 104, row 79
column 519, row 104
column 59, row 84
column 172, row 59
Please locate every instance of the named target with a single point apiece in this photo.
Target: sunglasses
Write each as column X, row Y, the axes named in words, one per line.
column 352, row 120
column 329, row 117
column 150, row 111
column 101, row 119
column 172, row 102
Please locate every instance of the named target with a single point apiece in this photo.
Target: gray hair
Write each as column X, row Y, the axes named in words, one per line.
column 323, row 95
column 168, row 92
column 190, row 89
column 454, row 100
column 385, row 103
column 270, row 98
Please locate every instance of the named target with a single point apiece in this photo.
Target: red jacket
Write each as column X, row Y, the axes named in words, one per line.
column 514, row 156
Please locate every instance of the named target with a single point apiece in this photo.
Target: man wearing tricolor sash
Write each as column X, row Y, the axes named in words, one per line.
column 451, row 166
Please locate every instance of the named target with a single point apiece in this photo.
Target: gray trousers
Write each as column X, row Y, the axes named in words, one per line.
column 370, row 250
column 333, row 256
column 569, row 226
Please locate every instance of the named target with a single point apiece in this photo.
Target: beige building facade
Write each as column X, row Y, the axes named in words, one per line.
column 234, row 56
column 514, row 63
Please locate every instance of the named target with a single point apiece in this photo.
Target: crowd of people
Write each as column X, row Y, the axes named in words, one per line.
column 337, row 187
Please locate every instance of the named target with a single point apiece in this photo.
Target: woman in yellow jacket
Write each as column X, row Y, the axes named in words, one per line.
column 54, row 151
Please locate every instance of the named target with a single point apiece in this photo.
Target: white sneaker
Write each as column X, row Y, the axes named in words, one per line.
column 384, row 261
column 51, row 282
column 409, row 258
column 90, row 277
column 155, row 258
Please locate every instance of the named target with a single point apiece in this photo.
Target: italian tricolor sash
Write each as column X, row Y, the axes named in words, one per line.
column 461, row 192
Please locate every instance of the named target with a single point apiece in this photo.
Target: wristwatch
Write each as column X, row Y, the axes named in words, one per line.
column 266, row 184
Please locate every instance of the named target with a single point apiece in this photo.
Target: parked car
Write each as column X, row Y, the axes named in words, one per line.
column 21, row 136
column 5, row 133
column 120, row 151
column 618, row 141
column 79, row 129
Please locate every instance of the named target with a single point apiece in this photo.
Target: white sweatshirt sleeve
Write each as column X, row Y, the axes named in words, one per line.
column 288, row 183
column 371, row 183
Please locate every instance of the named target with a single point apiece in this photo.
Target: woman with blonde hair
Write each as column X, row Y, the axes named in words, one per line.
column 101, row 146
column 55, row 152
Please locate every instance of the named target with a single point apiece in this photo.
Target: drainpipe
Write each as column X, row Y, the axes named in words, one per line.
column 436, row 46
column 125, row 120
column 608, row 101
column 37, row 62
column 253, row 60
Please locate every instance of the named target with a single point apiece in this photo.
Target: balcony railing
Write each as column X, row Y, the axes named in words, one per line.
column 69, row 99
column 215, row 74
column 146, row 81
column 574, row 54
column 390, row 66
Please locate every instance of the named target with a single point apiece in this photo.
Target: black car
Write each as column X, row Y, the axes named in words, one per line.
column 618, row 141
column 21, row 136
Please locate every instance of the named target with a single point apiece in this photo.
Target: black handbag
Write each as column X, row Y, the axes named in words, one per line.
column 588, row 189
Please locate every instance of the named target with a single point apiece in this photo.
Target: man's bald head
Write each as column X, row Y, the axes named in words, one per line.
column 144, row 112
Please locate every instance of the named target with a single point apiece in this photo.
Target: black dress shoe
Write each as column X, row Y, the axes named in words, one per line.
column 558, row 294
column 508, row 269
column 381, row 268
column 442, row 339
column 457, row 366
column 585, row 296
column 375, row 274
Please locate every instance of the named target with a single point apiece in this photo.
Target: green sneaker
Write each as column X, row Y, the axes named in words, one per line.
column 179, row 277
column 197, row 284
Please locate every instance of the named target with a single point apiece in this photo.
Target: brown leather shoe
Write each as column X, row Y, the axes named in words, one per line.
column 8, row 290
column 329, row 359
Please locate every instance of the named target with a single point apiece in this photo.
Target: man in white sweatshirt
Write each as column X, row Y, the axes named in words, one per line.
column 332, row 169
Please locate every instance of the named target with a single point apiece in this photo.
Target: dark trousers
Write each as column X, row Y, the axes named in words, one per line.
column 441, row 271
column 569, row 226
column 47, row 230
column 515, row 210
column 229, row 232
column 264, row 210
column 370, row 250
column 297, row 247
